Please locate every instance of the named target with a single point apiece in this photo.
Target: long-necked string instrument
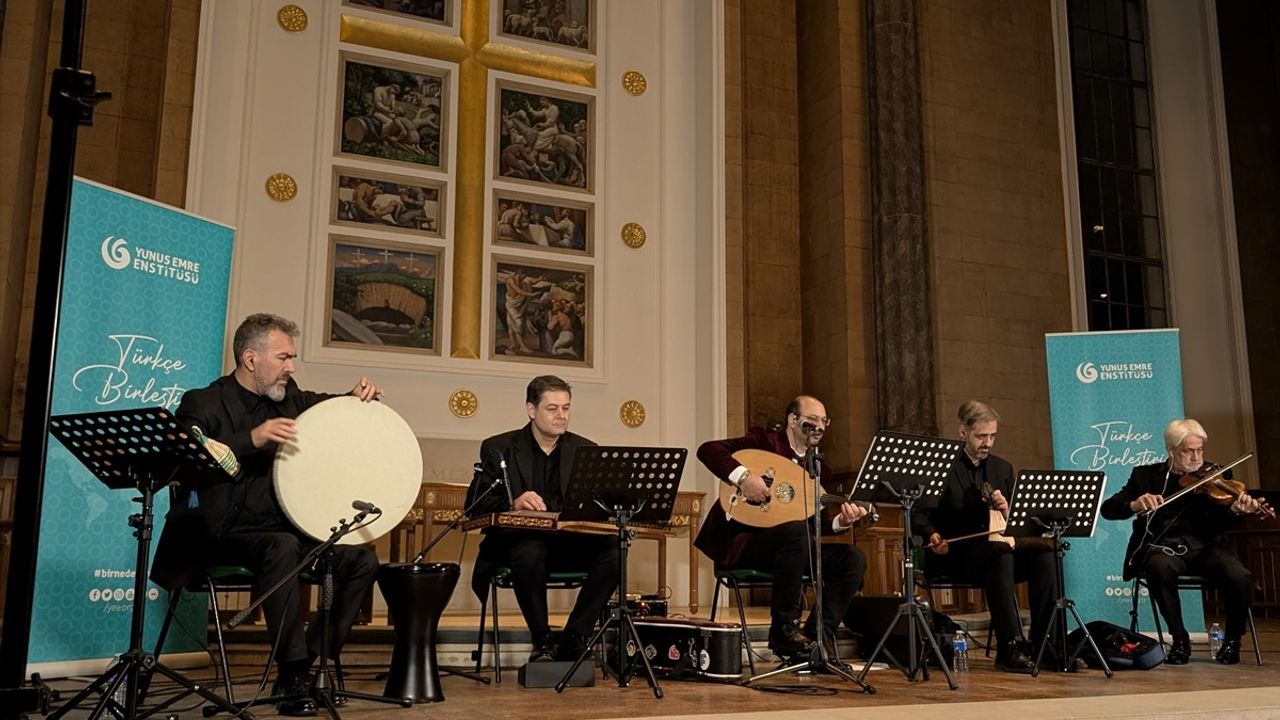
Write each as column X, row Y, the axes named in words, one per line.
column 996, row 522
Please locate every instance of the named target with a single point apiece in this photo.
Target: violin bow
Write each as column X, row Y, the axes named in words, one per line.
column 1202, row 481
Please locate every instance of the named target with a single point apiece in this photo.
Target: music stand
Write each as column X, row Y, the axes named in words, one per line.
column 142, row 449
column 904, row 468
column 622, row 485
column 1059, row 503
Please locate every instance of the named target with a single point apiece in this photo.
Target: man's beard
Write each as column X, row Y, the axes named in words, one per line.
column 274, row 392
column 1187, row 468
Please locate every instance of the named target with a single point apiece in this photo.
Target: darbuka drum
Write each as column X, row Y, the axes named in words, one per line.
column 348, row 450
column 416, row 595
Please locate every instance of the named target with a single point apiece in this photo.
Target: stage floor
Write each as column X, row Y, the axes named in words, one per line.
column 1202, row 689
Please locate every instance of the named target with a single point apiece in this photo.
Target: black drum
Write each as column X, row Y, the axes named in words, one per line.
column 416, row 595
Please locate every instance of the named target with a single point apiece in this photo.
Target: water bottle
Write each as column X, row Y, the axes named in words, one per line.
column 1215, row 640
column 123, row 688
column 959, row 654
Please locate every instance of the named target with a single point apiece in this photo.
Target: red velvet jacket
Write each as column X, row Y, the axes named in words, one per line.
column 721, row 539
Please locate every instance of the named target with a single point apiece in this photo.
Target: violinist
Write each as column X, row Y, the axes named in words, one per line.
column 978, row 483
column 1189, row 536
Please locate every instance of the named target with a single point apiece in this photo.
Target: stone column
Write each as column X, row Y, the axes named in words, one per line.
column 905, row 383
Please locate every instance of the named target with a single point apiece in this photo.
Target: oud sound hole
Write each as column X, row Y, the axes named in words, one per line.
column 784, row 493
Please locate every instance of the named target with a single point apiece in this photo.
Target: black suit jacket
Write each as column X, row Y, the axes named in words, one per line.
column 189, row 531
column 961, row 510
column 1201, row 522
column 517, row 448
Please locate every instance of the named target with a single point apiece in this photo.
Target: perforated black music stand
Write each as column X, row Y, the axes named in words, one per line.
column 904, row 468
column 1057, row 504
column 622, row 485
column 141, row 449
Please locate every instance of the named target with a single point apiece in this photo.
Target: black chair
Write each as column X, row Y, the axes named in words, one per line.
column 220, row 579
column 215, row 579
column 502, row 580
column 946, row 582
column 1185, row 582
column 736, row 580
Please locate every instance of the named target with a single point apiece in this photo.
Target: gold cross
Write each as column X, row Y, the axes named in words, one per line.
column 475, row 56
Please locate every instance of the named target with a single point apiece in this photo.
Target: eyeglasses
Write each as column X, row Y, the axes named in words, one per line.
column 823, row 421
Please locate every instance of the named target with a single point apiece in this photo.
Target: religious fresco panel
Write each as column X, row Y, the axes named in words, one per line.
column 437, row 11
column 562, row 23
column 383, row 295
column 387, row 202
column 542, row 312
column 545, row 137
column 392, row 111
column 542, row 223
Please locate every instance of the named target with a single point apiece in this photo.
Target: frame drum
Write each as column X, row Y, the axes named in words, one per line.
column 348, row 450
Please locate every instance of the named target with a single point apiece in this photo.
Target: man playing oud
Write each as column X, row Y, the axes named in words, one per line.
column 783, row 550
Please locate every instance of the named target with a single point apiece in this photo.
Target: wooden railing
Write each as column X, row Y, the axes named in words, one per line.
column 8, row 487
column 1259, row 548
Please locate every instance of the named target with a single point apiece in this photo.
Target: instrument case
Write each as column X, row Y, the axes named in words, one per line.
column 690, row 648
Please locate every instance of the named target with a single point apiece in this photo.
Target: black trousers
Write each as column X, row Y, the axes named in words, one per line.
column 996, row 568
column 1219, row 565
column 533, row 555
column 271, row 555
column 784, row 552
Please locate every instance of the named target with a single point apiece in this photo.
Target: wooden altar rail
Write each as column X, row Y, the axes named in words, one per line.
column 8, row 484
column 882, row 544
column 1259, row 548
column 440, row 503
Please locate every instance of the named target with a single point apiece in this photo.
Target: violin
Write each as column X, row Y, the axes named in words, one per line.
column 1210, row 481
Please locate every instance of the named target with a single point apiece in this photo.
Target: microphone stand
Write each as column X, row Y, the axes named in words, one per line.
column 466, row 512
column 818, row 660
column 321, row 690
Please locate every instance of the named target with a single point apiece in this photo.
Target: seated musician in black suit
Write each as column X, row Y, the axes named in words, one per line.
column 978, row 483
column 784, row 550
column 217, row 519
column 1188, row 537
column 538, row 457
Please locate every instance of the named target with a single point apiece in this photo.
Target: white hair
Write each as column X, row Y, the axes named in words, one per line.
column 1179, row 429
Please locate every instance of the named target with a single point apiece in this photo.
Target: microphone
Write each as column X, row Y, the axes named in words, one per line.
column 365, row 507
column 506, row 481
column 807, row 427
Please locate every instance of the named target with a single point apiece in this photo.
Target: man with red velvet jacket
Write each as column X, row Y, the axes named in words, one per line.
column 784, row 550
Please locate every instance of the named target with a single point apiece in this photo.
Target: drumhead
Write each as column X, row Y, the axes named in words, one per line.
column 348, row 450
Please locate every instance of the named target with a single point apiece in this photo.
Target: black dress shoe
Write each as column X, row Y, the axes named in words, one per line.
column 302, row 707
column 571, row 647
column 1180, row 652
column 790, row 642
column 1010, row 657
column 291, row 687
column 544, row 652
column 294, row 696
column 1229, row 653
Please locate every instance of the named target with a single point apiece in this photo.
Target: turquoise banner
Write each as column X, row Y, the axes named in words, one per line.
column 1111, row 394
column 142, row 319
